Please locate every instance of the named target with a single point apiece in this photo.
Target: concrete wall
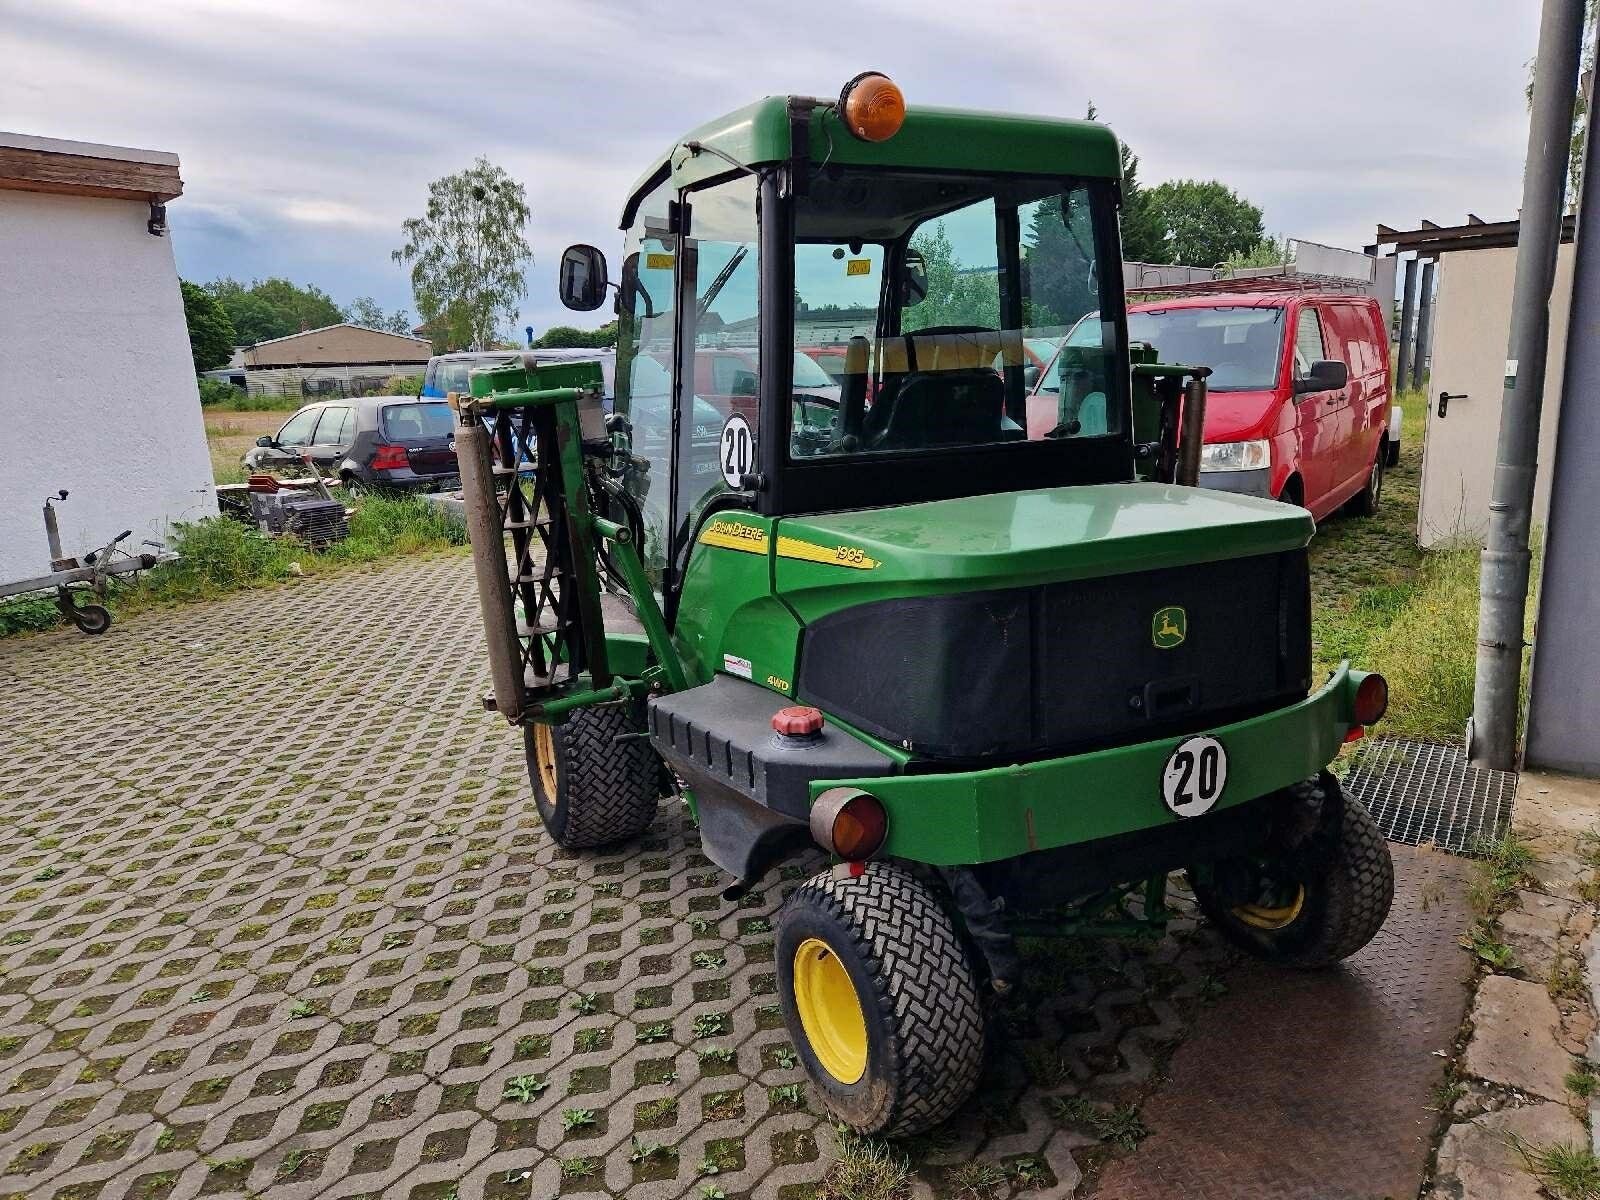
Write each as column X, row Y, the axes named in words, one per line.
column 97, row 386
column 1471, row 325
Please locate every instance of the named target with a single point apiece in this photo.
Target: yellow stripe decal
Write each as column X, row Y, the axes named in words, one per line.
column 834, row 556
column 731, row 535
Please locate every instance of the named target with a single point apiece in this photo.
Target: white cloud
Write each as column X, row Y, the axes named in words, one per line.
column 308, row 129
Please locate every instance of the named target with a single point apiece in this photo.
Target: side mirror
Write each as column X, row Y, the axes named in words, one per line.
column 914, row 280
column 265, row 440
column 1327, row 375
column 583, row 278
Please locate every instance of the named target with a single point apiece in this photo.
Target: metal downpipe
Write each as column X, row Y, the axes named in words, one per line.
column 1503, row 578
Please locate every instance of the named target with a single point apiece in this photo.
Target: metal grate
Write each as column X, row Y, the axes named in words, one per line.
column 1425, row 793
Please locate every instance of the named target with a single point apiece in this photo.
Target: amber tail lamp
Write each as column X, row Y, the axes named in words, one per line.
column 872, row 107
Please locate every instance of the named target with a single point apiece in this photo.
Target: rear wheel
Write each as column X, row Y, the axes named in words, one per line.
column 590, row 788
column 1365, row 502
column 1318, row 893
column 880, row 999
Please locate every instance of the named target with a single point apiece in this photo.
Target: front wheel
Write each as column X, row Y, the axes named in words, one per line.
column 595, row 779
column 1316, row 894
column 880, row 999
column 91, row 618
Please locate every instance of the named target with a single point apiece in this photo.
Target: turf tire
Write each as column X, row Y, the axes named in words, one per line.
column 917, row 989
column 1348, row 876
column 605, row 789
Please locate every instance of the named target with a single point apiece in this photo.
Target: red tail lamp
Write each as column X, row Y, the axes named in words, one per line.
column 390, row 458
column 1372, row 699
column 849, row 822
column 872, row 107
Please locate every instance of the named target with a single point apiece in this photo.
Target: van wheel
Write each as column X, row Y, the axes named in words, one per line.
column 590, row 788
column 880, row 998
column 1365, row 502
column 1317, row 894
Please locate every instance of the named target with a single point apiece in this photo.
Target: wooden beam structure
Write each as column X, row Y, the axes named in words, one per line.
column 34, row 164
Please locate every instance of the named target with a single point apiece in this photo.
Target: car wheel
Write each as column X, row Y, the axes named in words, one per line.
column 1365, row 502
column 880, row 998
column 1308, row 900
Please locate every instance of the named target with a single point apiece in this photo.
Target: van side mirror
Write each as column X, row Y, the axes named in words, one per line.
column 1327, row 375
column 265, row 440
column 583, row 278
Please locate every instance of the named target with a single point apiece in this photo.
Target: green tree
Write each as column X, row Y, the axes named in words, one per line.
column 273, row 308
column 210, row 332
column 1143, row 238
column 956, row 295
column 570, row 335
column 1204, row 221
column 467, row 254
column 366, row 311
column 1269, row 252
column 1580, row 107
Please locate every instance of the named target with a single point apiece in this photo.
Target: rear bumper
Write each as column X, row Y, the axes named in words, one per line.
column 971, row 817
column 403, row 478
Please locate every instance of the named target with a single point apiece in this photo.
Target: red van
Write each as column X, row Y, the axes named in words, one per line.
column 1299, row 399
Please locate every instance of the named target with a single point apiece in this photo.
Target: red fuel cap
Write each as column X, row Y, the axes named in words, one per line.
column 799, row 721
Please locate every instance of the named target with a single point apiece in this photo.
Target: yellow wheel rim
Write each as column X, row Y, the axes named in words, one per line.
column 544, row 752
column 830, row 1011
column 1261, row 917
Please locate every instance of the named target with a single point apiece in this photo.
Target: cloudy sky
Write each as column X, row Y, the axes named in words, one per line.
column 309, row 129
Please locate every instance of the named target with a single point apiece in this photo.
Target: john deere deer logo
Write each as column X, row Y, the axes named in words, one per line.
column 1169, row 627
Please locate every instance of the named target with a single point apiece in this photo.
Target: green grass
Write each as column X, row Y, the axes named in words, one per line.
column 219, row 556
column 1567, row 1172
column 1385, row 605
column 866, row 1170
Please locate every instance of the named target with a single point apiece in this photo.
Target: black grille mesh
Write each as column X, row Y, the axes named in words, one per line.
column 1024, row 671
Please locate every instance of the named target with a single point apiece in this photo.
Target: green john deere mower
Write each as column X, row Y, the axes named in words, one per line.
column 888, row 542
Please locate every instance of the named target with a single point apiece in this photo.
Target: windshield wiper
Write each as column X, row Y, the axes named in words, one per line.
column 720, row 282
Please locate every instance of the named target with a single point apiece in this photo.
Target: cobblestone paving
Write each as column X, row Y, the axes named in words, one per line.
column 277, row 919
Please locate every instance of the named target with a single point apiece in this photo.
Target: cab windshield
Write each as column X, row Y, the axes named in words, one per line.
column 950, row 296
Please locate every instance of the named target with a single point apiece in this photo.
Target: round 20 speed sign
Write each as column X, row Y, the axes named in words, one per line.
column 738, row 451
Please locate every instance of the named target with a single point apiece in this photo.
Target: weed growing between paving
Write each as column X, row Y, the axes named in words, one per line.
column 866, row 1170
column 218, row 556
column 1567, row 1172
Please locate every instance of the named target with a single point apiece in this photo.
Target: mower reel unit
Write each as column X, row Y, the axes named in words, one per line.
column 956, row 612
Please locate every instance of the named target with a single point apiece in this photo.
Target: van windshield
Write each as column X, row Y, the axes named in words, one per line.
column 1241, row 344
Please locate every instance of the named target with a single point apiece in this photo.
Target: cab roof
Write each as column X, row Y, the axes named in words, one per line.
column 933, row 138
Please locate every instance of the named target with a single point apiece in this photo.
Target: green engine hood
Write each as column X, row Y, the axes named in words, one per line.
column 1018, row 538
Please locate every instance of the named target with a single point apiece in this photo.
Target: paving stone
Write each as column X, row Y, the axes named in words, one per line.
column 265, row 931
column 1478, row 1159
column 1515, row 1038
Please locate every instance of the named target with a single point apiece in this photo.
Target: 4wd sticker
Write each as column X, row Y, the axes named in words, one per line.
column 734, row 535
column 834, row 556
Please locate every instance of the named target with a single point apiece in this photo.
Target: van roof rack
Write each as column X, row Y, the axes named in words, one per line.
column 1257, row 279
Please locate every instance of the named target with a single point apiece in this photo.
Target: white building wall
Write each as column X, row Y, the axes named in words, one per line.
column 97, row 390
column 1471, row 328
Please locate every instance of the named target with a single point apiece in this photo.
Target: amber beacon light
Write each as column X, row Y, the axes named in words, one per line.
column 872, row 107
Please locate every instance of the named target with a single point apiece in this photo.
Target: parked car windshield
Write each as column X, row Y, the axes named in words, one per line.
column 402, row 421
column 449, row 374
column 923, row 254
column 1241, row 344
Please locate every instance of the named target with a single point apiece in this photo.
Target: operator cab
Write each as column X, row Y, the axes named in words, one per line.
column 781, row 227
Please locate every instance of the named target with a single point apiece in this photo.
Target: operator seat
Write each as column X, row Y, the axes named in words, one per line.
column 950, row 394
